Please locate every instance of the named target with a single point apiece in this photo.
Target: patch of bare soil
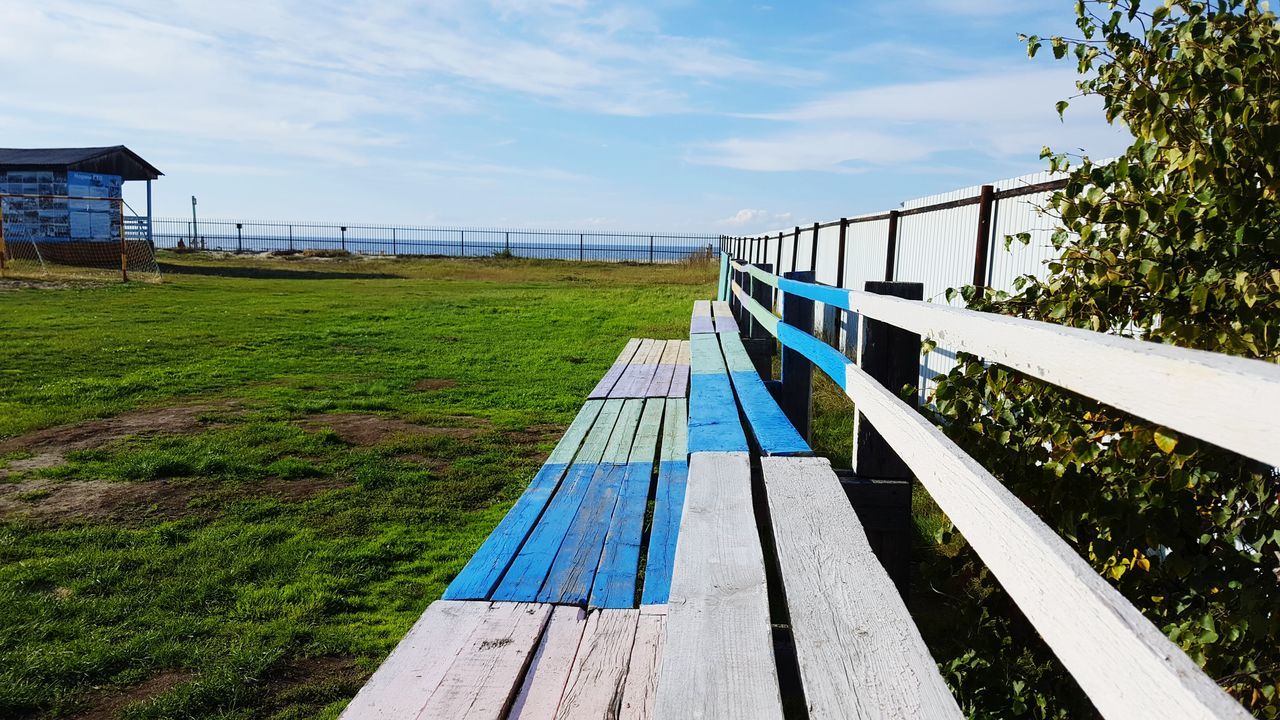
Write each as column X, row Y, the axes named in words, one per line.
column 311, row 679
column 21, row 284
column 364, row 429
column 51, row 445
column 55, row 501
column 535, row 436
column 430, row 384
column 107, row 704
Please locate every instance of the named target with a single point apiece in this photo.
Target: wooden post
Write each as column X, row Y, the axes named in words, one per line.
column 982, row 250
column 892, row 357
column 760, row 343
column 124, row 247
column 891, row 252
column 797, row 371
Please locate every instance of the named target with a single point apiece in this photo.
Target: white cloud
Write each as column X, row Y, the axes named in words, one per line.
column 751, row 220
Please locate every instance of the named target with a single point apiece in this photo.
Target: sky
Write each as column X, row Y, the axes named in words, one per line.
column 672, row 115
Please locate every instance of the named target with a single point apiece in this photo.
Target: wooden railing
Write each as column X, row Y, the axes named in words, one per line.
column 1120, row 659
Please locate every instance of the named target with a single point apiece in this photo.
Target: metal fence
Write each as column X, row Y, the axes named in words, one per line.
column 273, row 236
column 942, row 241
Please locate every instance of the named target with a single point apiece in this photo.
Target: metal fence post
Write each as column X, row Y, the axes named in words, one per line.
column 344, row 238
column 982, row 250
column 240, row 238
column 795, row 248
column 580, row 247
column 462, row 243
column 650, row 249
column 507, row 241
column 778, row 256
column 891, row 250
column 290, row 237
column 797, row 371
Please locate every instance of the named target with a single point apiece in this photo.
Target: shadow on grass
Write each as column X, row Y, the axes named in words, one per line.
column 270, row 273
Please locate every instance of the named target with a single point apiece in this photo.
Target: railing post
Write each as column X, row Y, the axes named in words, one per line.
column 722, row 285
column 240, row 238
column 759, row 343
column 891, row 251
column 891, row 356
column 982, row 250
column 797, row 372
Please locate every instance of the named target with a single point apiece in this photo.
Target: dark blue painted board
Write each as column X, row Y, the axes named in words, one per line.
column 486, row 567
column 713, row 415
column 668, row 504
column 529, row 570
column 574, row 568
column 615, row 581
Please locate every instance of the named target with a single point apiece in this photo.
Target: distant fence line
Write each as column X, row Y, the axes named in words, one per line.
column 280, row 236
column 942, row 241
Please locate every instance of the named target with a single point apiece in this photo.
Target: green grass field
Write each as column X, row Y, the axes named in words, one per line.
column 230, row 494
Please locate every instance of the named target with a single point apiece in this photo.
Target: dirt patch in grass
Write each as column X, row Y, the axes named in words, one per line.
column 535, row 436
column 106, row 704
column 312, row 681
column 364, row 429
column 21, row 284
column 432, row 384
column 50, row 446
column 58, row 501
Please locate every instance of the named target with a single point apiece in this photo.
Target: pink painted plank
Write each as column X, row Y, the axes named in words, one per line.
column 611, row 377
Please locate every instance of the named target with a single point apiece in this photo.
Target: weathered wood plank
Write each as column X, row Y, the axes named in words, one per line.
column 611, row 376
column 724, row 320
column 860, row 653
column 680, row 379
column 482, row 572
column 660, row 386
column 485, row 675
column 635, row 380
column 524, row 578
column 413, row 671
column 773, row 432
column 718, row 661
column 1228, row 401
column 544, row 681
column 599, row 674
column 1125, row 664
column 673, row 471
column 575, row 564
column 641, row 689
column 713, row 411
column 615, row 581
column 701, row 321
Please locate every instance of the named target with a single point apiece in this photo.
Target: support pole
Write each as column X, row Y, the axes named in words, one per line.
column 150, row 238
column 797, row 371
column 4, row 249
column 891, row 356
column 240, row 238
column 124, row 247
column 983, row 248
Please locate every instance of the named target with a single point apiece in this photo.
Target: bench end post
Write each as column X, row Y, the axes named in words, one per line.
column 797, row 371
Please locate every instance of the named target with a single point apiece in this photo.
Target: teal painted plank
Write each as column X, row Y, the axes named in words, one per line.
column 615, row 581
column 773, row 432
column 573, row 569
column 531, row 565
column 486, row 566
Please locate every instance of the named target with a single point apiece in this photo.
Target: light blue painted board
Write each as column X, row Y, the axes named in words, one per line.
column 839, row 297
column 486, row 566
column 531, row 565
column 615, row 581
column 573, row 570
column 772, row 430
column 667, row 507
column 827, row 358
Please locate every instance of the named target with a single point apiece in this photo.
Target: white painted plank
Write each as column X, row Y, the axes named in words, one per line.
column 642, row 674
column 599, row 672
column 485, row 675
column 1225, row 400
column 1129, row 669
column 718, row 661
column 412, row 671
column 861, row 655
column 545, row 680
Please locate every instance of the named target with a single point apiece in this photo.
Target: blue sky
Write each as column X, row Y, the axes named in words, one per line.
column 667, row 115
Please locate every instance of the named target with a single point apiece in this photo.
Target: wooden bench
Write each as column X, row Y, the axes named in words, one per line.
column 557, row 614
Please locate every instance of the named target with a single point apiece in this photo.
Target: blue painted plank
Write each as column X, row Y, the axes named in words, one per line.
column 713, row 412
column 839, row 297
column 615, row 581
column 667, row 508
column 772, row 430
column 573, row 569
column 827, row 358
column 482, row 572
column 529, row 570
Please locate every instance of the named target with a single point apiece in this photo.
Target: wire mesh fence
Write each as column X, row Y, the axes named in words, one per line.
column 70, row 237
column 284, row 237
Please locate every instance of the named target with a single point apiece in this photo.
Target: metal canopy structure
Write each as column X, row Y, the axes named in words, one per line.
column 116, row 160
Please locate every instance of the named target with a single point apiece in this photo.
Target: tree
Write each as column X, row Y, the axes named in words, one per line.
column 1177, row 241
